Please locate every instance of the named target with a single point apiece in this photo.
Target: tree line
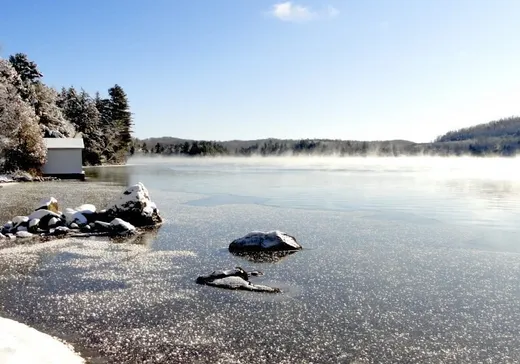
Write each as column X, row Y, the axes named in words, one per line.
column 500, row 137
column 31, row 111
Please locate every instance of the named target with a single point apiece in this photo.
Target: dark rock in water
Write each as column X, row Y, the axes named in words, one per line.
column 258, row 241
column 133, row 206
column 235, row 279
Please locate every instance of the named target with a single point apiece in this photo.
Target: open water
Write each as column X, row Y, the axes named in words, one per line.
column 406, row 260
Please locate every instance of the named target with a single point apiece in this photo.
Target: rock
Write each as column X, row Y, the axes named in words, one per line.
column 20, row 221
column 69, row 213
column 102, row 226
column 77, row 218
column 5, row 179
column 86, row 229
column 121, row 227
column 40, row 214
column 21, row 228
column 49, row 221
column 86, row 209
column 264, row 241
column 7, row 227
column 50, row 204
column 53, row 222
column 76, row 226
column 24, row 234
column 10, row 236
column 2, row 236
column 21, row 176
column 135, row 207
column 235, row 279
column 61, row 230
column 33, row 225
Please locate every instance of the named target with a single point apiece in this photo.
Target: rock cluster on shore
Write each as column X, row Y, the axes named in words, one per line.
column 24, row 177
column 133, row 209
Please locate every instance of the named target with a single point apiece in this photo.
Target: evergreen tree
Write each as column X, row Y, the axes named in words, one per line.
column 27, row 69
column 121, row 117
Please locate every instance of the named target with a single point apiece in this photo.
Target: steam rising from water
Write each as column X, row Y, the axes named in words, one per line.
column 493, row 168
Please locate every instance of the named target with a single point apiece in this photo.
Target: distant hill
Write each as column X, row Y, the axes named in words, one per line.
column 509, row 127
column 501, row 137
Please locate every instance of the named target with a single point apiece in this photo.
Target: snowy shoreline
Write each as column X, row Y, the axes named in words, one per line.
column 21, row 344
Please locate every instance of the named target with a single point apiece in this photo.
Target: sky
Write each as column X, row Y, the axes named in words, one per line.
column 250, row 69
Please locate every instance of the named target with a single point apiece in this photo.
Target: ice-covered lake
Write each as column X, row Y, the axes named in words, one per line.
column 409, row 260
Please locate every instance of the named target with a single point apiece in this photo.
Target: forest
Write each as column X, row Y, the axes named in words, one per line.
column 31, row 111
column 499, row 138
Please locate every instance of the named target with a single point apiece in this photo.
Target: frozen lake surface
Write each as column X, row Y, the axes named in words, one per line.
column 409, row 260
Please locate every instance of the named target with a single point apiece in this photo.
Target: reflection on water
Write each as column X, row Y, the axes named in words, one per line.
column 403, row 261
column 264, row 257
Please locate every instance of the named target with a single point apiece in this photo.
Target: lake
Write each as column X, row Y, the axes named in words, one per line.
column 405, row 260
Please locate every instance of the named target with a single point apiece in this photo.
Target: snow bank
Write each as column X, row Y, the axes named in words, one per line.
column 21, row 344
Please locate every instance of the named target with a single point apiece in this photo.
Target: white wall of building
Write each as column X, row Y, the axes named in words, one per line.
column 63, row 161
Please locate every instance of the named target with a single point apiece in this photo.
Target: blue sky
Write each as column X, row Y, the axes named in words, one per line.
column 247, row 69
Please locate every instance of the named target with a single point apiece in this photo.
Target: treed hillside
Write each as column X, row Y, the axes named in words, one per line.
column 31, row 110
column 500, row 137
column 502, row 128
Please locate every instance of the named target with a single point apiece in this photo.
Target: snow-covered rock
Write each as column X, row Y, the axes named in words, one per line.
column 235, row 279
column 24, row 234
column 33, row 225
column 2, row 236
column 265, row 241
column 5, row 179
column 135, row 207
column 7, row 227
column 50, row 204
column 86, row 209
column 121, row 227
column 21, row 344
column 78, row 218
column 101, row 226
column 60, row 230
column 20, row 220
column 53, row 222
column 40, row 214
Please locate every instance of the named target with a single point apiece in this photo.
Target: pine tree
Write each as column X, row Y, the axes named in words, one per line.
column 121, row 117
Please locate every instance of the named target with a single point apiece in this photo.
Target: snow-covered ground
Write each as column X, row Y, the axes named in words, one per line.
column 21, row 344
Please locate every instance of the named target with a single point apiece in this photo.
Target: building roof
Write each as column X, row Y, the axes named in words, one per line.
column 64, row 143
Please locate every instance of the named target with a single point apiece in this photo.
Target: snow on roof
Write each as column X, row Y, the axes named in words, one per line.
column 64, row 143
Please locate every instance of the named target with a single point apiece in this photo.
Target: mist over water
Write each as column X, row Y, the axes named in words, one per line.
column 411, row 260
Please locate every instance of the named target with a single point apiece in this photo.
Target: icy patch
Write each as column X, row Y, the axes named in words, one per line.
column 21, row 344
